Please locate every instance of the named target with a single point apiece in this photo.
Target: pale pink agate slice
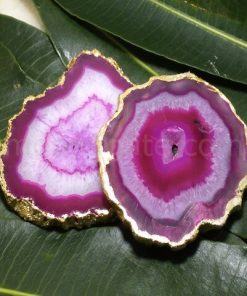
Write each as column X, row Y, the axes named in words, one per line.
column 173, row 158
column 50, row 156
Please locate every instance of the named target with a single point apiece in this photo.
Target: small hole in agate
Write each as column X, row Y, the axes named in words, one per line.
column 174, row 149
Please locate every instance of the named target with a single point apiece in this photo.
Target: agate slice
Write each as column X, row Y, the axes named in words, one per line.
column 49, row 165
column 173, row 158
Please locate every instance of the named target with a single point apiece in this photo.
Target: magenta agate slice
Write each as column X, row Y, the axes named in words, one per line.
column 50, row 156
column 173, row 158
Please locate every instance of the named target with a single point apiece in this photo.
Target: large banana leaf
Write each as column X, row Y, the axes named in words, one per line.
column 208, row 35
column 102, row 260
column 105, row 261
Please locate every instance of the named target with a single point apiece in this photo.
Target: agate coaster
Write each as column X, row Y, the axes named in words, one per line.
column 49, row 165
column 173, row 158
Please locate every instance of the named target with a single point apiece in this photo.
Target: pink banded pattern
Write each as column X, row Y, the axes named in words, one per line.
column 51, row 156
column 177, row 155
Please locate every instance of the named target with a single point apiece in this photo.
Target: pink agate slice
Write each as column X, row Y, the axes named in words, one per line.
column 51, row 156
column 173, row 158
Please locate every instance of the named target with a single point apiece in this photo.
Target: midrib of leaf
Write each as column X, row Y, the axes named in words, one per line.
column 54, row 46
column 15, row 292
column 199, row 24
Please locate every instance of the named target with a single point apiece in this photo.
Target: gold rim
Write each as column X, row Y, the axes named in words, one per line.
column 24, row 206
column 106, row 157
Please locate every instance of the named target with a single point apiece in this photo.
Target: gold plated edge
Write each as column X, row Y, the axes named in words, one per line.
column 24, row 206
column 105, row 158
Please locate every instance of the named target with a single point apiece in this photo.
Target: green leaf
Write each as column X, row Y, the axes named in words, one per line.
column 32, row 49
column 28, row 64
column 207, row 35
column 105, row 261
column 70, row 38
column 12, row 80
column 238, row 223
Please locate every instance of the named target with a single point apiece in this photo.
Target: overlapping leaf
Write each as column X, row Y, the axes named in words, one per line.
column 208, row 35
column 105, row 261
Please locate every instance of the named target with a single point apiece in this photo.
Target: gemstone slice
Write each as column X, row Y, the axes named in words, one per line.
column 49, row 164
column 173, row 158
